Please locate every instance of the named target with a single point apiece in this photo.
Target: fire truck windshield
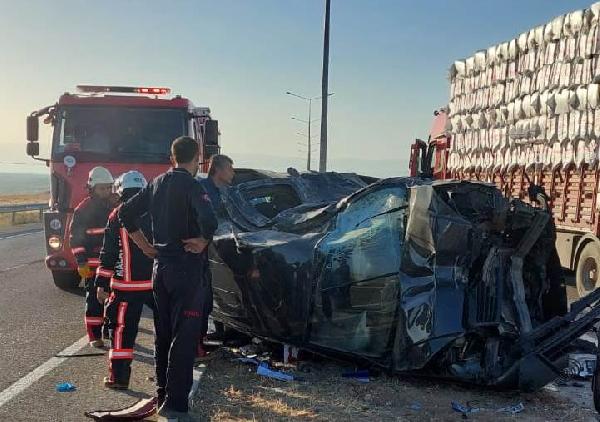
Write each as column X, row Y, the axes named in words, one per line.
column 117, row 134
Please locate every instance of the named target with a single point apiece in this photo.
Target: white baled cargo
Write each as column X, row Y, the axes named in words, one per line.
column 507, row 159
column 580, row 151
column 596, row 122
column 574, row 124
column 557, row 27
column 568, row 154
column 563, row 127
column 547, row 157
column 556, row 155
column 498, row 160
column 591, row 153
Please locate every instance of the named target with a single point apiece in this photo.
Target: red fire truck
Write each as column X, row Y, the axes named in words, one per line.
column 573, row 196
column 120, row 128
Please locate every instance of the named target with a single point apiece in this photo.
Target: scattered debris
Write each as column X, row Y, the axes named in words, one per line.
column 581, row 365
column 518, row 408
column 465, row 410
column 290, row 354
column 65, row 387
column 139, row 410
column 416, row 406
column 264, row 370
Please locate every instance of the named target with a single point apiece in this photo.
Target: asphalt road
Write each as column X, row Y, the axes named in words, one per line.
column 37, row 321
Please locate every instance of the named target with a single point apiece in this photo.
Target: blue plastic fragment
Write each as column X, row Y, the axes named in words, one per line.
column 464, row 409
column 416, row 406
column 65, row 387
column 264, row 370
column 518, row 408
column 248, row 360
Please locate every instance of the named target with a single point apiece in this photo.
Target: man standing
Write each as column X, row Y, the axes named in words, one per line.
column 183, row 224
column 127, row 271
column 220, row 175
column 87, row 230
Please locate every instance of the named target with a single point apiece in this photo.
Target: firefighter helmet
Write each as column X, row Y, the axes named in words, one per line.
column 99, row 176
column 131, row 180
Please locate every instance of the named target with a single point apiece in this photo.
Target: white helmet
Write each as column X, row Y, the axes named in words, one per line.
column 131, row 180
column 98, row 176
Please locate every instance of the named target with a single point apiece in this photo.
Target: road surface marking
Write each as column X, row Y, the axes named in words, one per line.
column 16, row 267
column 14, row 236
column 24, row 383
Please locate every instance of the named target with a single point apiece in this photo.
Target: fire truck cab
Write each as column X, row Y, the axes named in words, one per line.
column 117, row 127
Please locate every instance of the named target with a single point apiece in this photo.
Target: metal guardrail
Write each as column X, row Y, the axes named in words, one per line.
column 14, row 209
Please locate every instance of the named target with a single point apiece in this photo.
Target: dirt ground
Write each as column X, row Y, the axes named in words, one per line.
column 232, row 391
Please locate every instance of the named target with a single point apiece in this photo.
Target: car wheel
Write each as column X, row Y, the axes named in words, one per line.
column 586, row 274
column 66, row 280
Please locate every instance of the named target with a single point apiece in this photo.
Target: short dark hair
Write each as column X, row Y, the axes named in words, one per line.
column 184, row 149
column 218, row 162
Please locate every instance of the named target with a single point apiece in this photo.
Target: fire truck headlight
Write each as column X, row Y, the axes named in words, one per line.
column 55, row 224
column 54, row 242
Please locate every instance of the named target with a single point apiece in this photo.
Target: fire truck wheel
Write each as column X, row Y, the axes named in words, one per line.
column 66, row 280
column 588, row 265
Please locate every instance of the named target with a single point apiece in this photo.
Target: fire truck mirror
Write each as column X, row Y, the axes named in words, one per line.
column 32, row 129
column 211, row 132
column 33, row 149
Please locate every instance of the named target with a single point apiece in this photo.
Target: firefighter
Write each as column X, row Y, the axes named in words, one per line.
column 183, row 224
column 220, row 175
column 87, row 230
column 126, row 272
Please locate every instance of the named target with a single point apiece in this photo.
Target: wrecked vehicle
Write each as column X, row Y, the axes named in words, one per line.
column 446, row 279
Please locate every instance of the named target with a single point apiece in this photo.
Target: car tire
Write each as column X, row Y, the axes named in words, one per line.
column 596, row 390
column 588, row 267
column 66, row 280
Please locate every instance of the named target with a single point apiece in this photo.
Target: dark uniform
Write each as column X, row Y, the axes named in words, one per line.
column 87, row 230
column 214, row 194
column 180, row 209
column 128, row 273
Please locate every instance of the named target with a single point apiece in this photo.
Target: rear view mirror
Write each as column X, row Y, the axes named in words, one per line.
column 33, row 129
column 33, row 149
column 211, row 138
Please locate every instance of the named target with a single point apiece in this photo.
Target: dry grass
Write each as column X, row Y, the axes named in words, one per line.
column 231, row 391
column 22, row 217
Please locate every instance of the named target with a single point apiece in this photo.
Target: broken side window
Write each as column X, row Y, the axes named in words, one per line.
column 357, row 287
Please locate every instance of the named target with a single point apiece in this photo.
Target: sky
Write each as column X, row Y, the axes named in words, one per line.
column 389, row 63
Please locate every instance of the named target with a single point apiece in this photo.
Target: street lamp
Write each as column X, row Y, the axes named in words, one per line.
column 307, row 122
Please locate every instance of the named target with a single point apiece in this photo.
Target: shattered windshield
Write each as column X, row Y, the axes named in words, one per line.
column 118, row 134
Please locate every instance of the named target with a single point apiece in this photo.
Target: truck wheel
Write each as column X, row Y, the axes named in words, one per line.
column 66, row 280
column 586, row 276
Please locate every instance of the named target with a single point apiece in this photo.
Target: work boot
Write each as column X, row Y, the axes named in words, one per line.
column 98, row 343
column 169, row 415
column 115, row 385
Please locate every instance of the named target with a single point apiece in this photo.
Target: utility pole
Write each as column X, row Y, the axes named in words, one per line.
column 324, row 91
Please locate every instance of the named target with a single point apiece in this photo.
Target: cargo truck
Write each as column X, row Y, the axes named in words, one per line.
column 527, row 112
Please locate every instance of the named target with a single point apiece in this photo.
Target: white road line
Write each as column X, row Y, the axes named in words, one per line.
column 14, row 236
column 21, row 385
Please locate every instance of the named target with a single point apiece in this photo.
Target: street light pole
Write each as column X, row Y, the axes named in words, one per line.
column 308, row 158
column 325, row 91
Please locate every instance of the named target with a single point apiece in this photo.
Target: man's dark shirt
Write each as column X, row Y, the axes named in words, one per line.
column 180, row 209
column 213, row 193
